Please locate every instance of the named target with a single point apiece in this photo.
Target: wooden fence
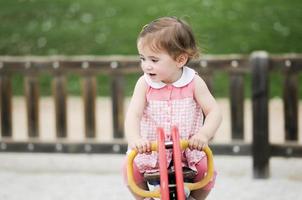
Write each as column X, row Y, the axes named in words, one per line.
column 259, row 65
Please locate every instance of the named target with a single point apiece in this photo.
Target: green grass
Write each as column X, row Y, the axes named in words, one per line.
column 102, row 27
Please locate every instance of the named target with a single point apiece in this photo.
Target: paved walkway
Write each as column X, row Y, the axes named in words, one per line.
column 97, row 177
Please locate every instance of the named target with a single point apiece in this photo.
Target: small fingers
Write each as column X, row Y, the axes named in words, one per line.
column 139, row 147
column 193, row 143
column 196, row 144
column 143, row 146
column 190, row 145
column 199, row 147
column 148, row 146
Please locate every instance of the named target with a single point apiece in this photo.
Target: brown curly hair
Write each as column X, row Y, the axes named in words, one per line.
column 170, row 34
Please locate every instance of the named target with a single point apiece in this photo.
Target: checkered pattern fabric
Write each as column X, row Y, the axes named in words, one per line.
column 167, row 107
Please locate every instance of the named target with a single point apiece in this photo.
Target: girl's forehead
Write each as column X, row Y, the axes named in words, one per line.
column 147, row 52
column 149, row 49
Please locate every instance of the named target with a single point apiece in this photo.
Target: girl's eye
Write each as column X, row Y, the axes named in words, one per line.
column 142, row 59
column 154, row 60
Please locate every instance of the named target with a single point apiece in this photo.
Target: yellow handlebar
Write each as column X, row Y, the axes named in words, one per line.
column 137, row 190
column 156, row 193
column 203, row 182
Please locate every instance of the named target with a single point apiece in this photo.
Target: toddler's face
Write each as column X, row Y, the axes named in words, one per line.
column 159, row 65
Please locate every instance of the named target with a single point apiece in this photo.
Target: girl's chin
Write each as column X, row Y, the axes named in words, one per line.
column 153, row 78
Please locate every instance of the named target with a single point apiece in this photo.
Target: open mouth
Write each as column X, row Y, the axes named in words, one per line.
column 151, row 74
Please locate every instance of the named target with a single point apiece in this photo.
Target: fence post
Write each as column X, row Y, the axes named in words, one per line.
column 89, row 96
column 117, row 94
column 32, row 104
column 260, row 147
column 290, row 99
column 6, row 105
column 59, row 93
column 237, row 105
column 207, row 74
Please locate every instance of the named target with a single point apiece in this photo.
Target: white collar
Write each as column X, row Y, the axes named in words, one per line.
column 186, row 77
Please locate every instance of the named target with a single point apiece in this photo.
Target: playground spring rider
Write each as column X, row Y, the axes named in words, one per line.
column 172, row 187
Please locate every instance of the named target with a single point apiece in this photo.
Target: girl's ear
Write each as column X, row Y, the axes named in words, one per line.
column 182, row 59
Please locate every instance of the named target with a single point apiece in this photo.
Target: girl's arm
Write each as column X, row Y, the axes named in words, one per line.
column 133, row 117
column 212, row 114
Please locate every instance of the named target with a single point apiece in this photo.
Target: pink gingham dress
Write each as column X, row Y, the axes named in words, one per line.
column 167, row 106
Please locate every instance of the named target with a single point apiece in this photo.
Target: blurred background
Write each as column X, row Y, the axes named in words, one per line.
column 110, row 27
column 102, row 27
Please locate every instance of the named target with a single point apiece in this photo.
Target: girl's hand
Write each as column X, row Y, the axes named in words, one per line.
column 141, row 145
column 198, row 141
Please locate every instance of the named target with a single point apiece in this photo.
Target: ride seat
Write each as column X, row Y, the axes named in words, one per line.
column 188, row 175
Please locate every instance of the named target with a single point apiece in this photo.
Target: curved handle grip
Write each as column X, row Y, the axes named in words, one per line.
column 203, row 182
column 137, row 190
column 156, row 193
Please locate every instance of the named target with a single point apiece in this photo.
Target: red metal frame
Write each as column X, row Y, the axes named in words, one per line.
column 178, row 164
column 160, row 146
column 163, row 170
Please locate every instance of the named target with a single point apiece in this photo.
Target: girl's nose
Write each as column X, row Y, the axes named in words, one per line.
column 147, row 66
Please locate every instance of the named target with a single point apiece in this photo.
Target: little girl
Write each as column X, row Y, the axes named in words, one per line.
column 170, row 94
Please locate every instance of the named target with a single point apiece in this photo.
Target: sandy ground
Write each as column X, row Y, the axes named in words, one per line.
column 104, row 120
column 98, row 177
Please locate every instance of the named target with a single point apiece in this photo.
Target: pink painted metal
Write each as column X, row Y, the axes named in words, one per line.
column 164, row 183
column 177, row 164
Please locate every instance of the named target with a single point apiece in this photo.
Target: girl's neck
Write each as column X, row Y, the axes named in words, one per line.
column 176, row 76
